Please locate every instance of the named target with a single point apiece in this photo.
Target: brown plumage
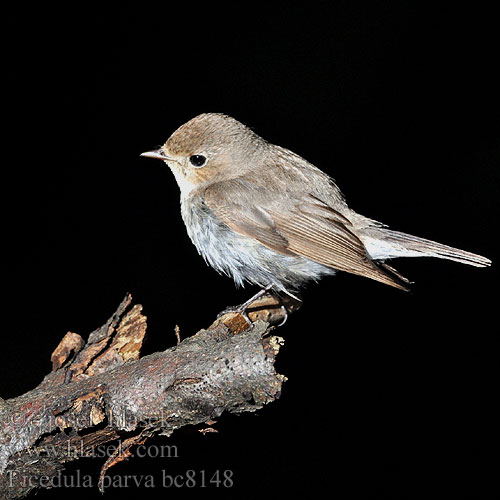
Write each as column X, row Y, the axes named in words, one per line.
column 305, row 226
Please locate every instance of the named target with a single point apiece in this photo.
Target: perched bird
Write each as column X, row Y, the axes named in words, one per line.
column 260, row 213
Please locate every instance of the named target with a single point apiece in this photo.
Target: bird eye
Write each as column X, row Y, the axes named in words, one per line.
column 197, row 160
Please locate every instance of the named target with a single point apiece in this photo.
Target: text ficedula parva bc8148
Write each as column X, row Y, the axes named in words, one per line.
column 260, row 213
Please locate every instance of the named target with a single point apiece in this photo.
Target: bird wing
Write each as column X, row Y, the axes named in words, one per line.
column 302, row 226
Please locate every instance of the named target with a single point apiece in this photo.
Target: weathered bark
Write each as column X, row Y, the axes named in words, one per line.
column 100, row 391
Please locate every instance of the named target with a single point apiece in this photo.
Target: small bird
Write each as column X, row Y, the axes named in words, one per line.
column 261, row 214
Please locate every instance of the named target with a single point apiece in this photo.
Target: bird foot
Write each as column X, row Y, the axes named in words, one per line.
column 241, row 310
column 265, row 299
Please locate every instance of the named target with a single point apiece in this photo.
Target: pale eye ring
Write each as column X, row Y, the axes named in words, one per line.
column 198, row 161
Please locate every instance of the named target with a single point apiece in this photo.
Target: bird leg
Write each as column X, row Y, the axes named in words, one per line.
column 242, row 308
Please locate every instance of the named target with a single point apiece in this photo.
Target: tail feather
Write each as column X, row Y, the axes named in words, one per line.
column 383, row 243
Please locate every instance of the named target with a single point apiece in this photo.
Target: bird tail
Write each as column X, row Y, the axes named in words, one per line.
column 382, row 243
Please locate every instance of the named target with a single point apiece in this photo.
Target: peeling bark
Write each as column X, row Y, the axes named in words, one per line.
column 101, row 390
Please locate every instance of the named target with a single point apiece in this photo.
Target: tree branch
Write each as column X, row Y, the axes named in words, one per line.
column 100, row 390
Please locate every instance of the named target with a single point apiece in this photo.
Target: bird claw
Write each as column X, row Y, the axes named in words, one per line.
column 285, row 315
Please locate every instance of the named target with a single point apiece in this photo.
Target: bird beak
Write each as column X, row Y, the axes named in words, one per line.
column 159, row 154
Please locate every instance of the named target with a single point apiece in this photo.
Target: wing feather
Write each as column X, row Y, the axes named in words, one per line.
column 302, row 226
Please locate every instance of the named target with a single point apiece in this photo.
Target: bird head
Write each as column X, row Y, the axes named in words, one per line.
column 211, row 147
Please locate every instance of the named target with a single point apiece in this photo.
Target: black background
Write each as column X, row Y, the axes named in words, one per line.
column 389, row 394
